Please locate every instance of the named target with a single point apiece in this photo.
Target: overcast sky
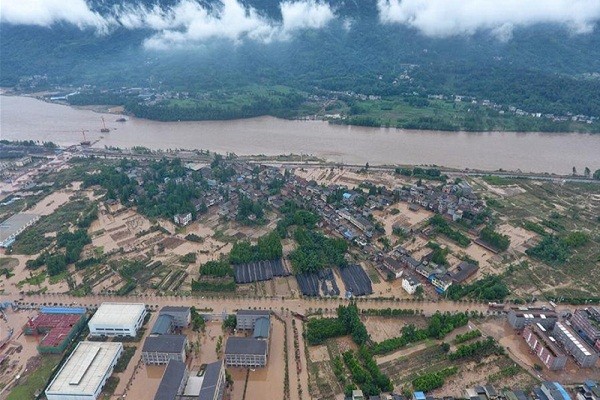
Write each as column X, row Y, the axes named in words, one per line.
column 188, row 22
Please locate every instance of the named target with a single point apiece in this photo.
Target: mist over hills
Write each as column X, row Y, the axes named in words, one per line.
column 515, row 54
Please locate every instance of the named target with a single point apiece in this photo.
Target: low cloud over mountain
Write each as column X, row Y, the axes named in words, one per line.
column 443, row 18
column 189, row 22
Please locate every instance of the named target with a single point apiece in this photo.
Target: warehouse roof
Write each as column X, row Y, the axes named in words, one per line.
column 164, row 344
column 211, row 379
column 119, row 314
column 171, row 381
column 240, row 345
column 15, row 224
column 85, row 369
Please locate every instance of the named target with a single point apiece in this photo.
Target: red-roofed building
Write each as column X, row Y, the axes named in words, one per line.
column 58, row 330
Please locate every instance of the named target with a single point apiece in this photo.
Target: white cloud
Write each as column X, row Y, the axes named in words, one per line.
column 305, row 15
column 443, row 18
column 49, row 12
column 185, row 23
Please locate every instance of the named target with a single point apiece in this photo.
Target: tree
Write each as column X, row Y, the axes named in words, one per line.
column 597, row 174
column 574, row 171
column 419, row 292
column 587, row 172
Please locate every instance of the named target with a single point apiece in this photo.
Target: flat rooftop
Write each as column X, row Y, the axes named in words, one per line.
column 84, row 370
column 14, row 224
column 118, row 314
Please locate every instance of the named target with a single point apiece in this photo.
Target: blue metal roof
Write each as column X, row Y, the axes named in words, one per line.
column 62, row 310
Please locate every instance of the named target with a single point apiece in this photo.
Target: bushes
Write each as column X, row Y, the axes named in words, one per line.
column 465, row 337
column 494, row 239
column 432, row 380
column 268, row 248
column 439, row 326
column 215, row 276
column 490, row 288
column 347, row 322
column 217, row 269
column 478, row 349
column 318, row 330
column 189, row 258
column 316, row 252
column 442, row 226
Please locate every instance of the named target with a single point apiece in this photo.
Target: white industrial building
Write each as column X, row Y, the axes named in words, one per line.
column 85, row 372
column 117, row 319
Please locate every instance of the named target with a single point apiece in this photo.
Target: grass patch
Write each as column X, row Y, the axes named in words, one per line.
column 128, row 352
column 35, row 383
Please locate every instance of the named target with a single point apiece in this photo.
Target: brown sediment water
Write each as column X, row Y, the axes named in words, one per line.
column 28, row 118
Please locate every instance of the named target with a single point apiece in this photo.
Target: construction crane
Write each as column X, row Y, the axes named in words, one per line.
column 104, row 128
column 85, row 142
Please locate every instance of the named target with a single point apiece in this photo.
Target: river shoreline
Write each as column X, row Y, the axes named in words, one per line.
column 32, row 119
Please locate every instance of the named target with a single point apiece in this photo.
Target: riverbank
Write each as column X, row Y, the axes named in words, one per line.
column 28, row 118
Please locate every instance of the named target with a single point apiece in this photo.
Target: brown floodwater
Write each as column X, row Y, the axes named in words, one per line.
column 29, row 118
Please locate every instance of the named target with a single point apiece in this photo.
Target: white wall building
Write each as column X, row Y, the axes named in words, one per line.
column 85, row 372
column 117, row 319
column 410, row 284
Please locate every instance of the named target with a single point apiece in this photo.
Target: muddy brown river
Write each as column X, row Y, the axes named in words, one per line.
column 29, row 118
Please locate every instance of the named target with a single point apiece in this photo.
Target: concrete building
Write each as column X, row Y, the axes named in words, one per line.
column 410, row 284
column 587, row 323
column 181, row 315
column 13, row 226
column 85, row 372
column 583, row 353
column 519, row 317
column 357, row 394
column 247, row 318
column 163, row 348
column 554, row 391
column 393, row 266
column 173, row 381
column 545, row 347
column 262, row 328
column 117, row 319
column 246, row 352
column 213, row 385
column 183, row 219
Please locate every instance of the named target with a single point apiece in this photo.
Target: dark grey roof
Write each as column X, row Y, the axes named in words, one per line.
column 211, row 377
column 164, row 344
column 175, row 309
column 253, row 312
column 262, row 328
column 171, row 381
column 163, row 325
column 520, row 394
column 240, row 345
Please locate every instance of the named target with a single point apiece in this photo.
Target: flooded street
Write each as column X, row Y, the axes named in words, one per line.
column 28, row 118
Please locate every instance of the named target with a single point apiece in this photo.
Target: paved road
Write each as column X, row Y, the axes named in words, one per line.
column 219, row 305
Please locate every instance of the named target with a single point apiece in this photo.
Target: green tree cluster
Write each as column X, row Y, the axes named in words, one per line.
column 489, row 288
column 269, row 247
column 442, row 226
column 494, row 239
column 316, row 251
